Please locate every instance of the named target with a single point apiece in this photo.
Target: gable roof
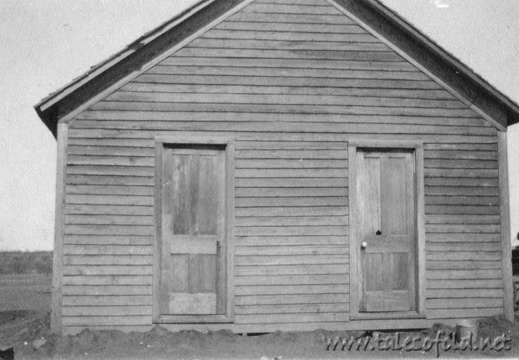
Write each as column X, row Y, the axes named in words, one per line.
column 388, row 26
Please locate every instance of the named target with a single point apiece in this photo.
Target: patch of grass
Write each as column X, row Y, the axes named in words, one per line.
column 18, row 262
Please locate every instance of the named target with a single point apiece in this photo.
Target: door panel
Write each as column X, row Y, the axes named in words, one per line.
column 193, row 265
column 386, row 225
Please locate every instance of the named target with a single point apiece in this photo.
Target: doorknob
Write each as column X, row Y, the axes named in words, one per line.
column 363, row 245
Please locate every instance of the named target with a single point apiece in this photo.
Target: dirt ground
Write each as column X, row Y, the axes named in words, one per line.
column 37, row 343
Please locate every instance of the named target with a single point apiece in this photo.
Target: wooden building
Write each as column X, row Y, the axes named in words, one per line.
column 262, row 165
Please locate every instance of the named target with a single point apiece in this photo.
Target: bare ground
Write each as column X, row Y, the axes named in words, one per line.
column 29, row 334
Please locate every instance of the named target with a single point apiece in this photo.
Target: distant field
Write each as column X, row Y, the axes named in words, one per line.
column 25, row 280
column 17, row 262
column 25, row 292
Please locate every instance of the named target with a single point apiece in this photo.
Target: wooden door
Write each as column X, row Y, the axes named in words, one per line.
column 193, row 237
column 386, row 230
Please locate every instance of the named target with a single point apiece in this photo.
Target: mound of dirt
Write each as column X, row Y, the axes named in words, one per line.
column 159, row 343
column 20, row 327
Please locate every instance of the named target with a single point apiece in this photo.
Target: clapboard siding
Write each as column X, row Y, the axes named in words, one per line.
column 292, row 82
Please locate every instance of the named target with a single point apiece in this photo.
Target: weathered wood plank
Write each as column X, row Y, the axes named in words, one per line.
column 89, row 270
column 131, row 260
column 291, row 192
column 287, row 100
column 111, row 170
column 291, row 280
column 296, row 63
column 133, row 143
column 291, row 318
column 462, row 200
column 109, row 180
column 460, row 173
column 155, row 112
column 460, row 155
column 109, row 190
column 291, row 289
column 327, row 267
column 464, row 284
column 462, row 265
column 508, row 287
column 349, row 28
column 108, row 240
column 292, row 221
column 107, row 250
column 290, row 260
column 291, row 250
column 464, row 293
column 259, row 127
column 108, row 220
column 107, row 280
column 109, row 230
column 110, row 200
column 107, row 290
column 88, row 321
column 354, row 35
column 56, row 318
column 291, row 299
column 462, row 219
column 311, row 83
column 276, row 8
column 291, row 201
column 479, row 182
column 460, row 164
column 290, row 164
column 467, row 303
column 462, row 238
column 461, row 147
column 462, row 228
column 88, row 311
column 293, row 154
column 291, row 230
column 112, row 301
column 110, row 150
column 267, row 145
column 319, row 54
column 462, row 210
column 206, row 43
column 465, row 255
column 459, row 191
column 449, row 246
column 291, row 173
column 110, row 160
column 464, row 313
column 295, row 2
column 248, row 17
column 292, row 211
column 79, row 209
column 291, row 183
column 264, row 136
column 463, row 274
column 291, row 309
column 291, row 241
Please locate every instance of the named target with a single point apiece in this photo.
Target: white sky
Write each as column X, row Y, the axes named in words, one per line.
column 47, row 43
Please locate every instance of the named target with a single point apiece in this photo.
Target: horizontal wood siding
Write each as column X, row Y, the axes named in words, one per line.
column 292, row 82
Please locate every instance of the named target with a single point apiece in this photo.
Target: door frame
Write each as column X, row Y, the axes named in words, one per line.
column 354, row 241
column 160, row 143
